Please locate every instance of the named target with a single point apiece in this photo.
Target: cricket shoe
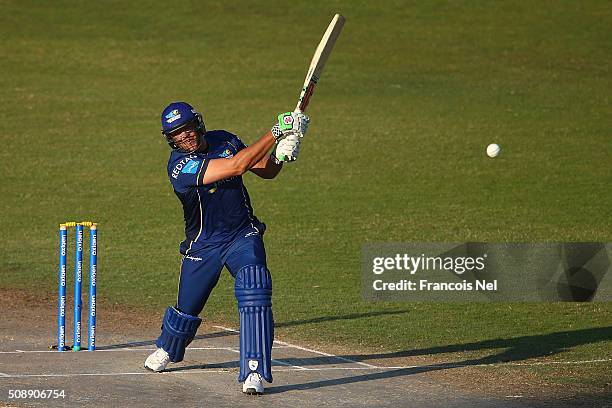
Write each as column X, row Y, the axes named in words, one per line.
column 253, row 385
column 157, row 361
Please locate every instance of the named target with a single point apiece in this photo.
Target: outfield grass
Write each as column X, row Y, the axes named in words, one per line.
column 409, row 100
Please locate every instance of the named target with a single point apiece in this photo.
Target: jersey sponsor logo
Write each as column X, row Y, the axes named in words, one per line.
column 183, row 164
column 172, row 116
column 191, row 167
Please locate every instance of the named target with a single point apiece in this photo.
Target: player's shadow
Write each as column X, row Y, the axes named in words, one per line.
column 281, row 362
column 280, row 324
column 513, row 350
column 152, row 342
column 206, row 366
column 351, row 316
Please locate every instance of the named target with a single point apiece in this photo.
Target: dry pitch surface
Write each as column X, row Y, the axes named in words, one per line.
column 114, row 376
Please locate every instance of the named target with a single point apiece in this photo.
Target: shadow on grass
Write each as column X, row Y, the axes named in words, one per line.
column 278, row 325
column 514, row 350
column 351, row 316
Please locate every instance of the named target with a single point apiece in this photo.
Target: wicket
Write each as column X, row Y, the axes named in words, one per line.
column 78, row 278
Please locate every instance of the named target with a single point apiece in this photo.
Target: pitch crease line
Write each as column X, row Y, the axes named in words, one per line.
column 204, row 371
column 287, row 369
column 283, row 343
column 537, row 363
column 278, row 362
column 114, row 349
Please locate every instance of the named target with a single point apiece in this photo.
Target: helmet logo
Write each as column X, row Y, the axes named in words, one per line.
column 288, row 120
column 172, row 116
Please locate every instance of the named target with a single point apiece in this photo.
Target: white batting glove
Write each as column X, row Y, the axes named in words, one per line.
column 287, row 149
column 289, row 123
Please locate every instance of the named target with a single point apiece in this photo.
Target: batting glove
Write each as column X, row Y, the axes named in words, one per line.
column 290, row 123
column 287, row 149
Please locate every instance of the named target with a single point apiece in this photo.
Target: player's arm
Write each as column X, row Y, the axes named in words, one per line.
column 290, row 125
column 267, row 168
column 219, row 169
column 286, row 150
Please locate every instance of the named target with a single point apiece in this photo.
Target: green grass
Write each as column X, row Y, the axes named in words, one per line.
column 411, row 96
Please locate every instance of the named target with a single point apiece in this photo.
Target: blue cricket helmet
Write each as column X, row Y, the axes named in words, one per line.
column 178, row 115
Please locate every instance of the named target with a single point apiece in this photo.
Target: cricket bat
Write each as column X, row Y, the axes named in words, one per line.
column 318, row 61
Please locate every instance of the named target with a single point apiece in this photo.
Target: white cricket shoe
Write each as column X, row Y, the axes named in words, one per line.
column 157, row 361
column 253, row 384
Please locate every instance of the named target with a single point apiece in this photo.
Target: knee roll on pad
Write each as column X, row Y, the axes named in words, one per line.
column 178, row 330
column 253, row 289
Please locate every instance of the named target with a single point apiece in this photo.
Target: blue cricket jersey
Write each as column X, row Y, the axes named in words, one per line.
column 216, row 212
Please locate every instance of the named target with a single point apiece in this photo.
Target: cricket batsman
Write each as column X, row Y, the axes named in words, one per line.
column 205, row 169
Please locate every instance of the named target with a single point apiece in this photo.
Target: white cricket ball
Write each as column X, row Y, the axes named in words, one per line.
column 493, row 150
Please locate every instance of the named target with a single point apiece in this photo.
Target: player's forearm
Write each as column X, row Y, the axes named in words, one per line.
column 247, row 158
column 267, row 168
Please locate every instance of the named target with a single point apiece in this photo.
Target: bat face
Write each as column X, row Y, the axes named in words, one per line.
column 318, row 61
